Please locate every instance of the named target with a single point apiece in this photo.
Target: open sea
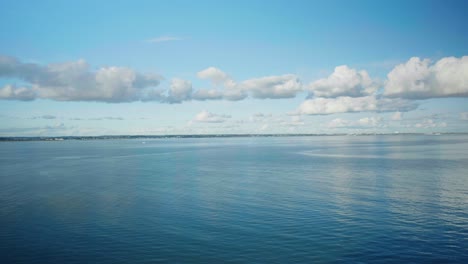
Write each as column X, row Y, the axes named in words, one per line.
column 322, row 199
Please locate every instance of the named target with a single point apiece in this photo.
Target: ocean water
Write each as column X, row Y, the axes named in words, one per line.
column 328, row 199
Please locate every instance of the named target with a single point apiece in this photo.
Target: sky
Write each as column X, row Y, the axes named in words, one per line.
column 82, row 68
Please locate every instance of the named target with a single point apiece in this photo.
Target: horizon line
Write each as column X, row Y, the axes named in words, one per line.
column 221, row 135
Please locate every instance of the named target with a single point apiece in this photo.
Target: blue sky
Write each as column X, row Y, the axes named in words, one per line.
column 190, row 67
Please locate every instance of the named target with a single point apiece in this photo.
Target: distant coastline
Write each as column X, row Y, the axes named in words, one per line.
column 115, row 137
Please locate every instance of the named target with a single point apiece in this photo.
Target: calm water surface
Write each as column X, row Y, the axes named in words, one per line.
column 364, row 199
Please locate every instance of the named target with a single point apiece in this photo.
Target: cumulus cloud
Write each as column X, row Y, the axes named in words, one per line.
column 207, row 117
column 341, row 105
column 180, row 90
column 215, row 75
column 75, row 81
column 345, row 90
column 344, row 81
column 294, row 121
column 338, row 123
column 326, row 106
column 419, row 79
column 11, row 92
column 429, row 123
column 234, row 94
column 215, row 94
column 207, row 94
column 370, row 121
column 273, row 87
column 270, row 87
column 365, row 122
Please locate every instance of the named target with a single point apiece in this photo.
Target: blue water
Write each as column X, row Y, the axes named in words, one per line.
column 363, row 199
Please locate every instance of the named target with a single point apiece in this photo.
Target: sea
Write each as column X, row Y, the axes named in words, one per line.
column 310, row 199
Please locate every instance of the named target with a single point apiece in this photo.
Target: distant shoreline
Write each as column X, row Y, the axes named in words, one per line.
column 114, row 137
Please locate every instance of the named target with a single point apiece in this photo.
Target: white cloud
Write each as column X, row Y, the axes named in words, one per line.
column 234, row 94
column 163, row 39
column 215, row 94
column 294, row 121
column 344, row 81
column 11, row 92
column 207, row 94
column 429, row 123
column 419, row 79
column 325, row 106
column 345, row 90
column 180, row 90
column 207, row 117
column 273, row 87
column 365, row 122
column 215, row 75
column 370, row 121
column 340, row 105
column 264, row 127
column 337, row 123
column 75, row 81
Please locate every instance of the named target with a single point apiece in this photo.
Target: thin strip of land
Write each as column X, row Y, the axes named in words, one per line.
column 115, row 137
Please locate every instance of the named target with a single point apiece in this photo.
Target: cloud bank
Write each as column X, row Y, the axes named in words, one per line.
column 346, row 104
column 346, row 90
column 273, row 87
column 344, row 81
column 419, row 79
column 75, row 81
column 208, row 117
column 364, row 123
column 270, row 87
